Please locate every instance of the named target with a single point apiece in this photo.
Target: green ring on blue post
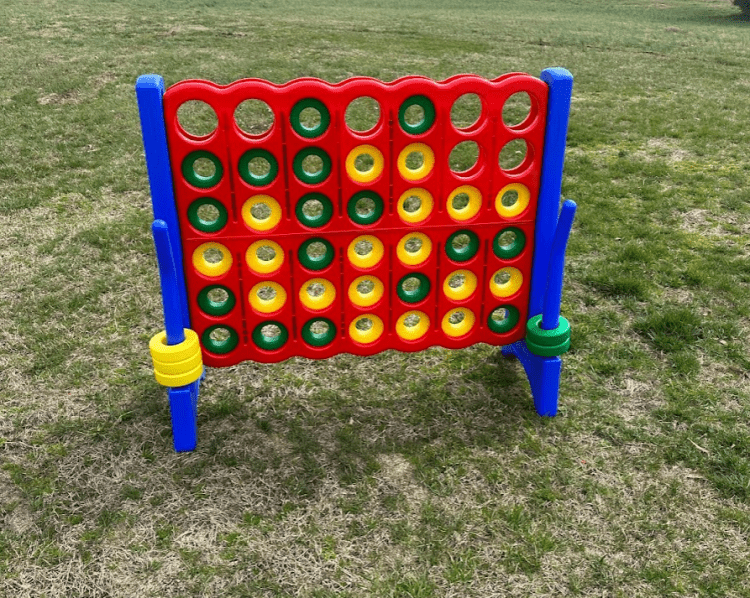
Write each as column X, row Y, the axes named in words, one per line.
column 198, row 180
column 318, row 339
column 310, row 132
column 307, row 177
column 216, row 308
column 465, row 253
column 417, row 294
column 254, row 179
column 207, row 226
column 220, row 347
column 505, row 325
column 314, row 221
column 506, row 252
column 429, row 114
column 547, row 343
column 316, row 263
column 270, row 343
column 369, row 218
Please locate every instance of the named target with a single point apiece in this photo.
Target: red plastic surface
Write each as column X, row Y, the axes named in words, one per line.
column 228, row 142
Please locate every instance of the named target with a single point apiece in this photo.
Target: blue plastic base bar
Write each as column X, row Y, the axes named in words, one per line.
column 183, row 407
column 543, row 374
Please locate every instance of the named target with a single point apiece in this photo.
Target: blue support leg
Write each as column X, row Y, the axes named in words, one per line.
column 183, row 408
column 543, row 374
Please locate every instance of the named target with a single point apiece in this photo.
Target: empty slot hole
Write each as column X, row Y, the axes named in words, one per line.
column 316, row 250
column 220, row 335
column 267, row 293
column 456, row 317
column 218, row 296
column 364, row 163
column 460, row 242
column 414, row 115
column 197, row 118
column 466, row 111
column 203, row 167
column 312, row 208
column 411, row 320
column 414, row 160
column 365, row 287
column 254, row 117
column 506, row 239
column 208, row 214
column 270, row 331
column 510, row 198
column 365, row 206
column 265, row 253
column 213, row 255
column 460, row 201
column 502, row 278
column 516, row 109
column 312, row 165
column 260, row 211
column 315, row 289
column 363, row 324
column 259, row 167
column 363, row 247
column 513, row 154
column 413, row 244
column 362, row 114
column 500, row 315
column 309, row 118
column 456, row 281
column 464, row 156
column 319, row 327
column 411, row 284
column 412, row 204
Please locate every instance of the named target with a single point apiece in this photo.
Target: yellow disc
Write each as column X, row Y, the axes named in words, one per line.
column 520, row 203
column 412, row 331
column 457, row 329
column 461, row 291
column 510, row 281
column 212, row 259
column 426, row 204
column 471, row 208
column 410, row 256
column 164, row 353
column 267, row 249
column 428, row 161
column 371, row 258
column 267, row 306
column 367, row 176
column 261, row 224
column 370, row 298
column 317, row 294
column 370, row 335
column 177, row 380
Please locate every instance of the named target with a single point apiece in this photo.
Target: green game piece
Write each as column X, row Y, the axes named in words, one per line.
column 198, row 180
column 311, row 178
column 505, row 325
column 465, row 253
column 415, row 295
column 316, row 262
column 216, row 308
column 429, row 115
column 506, row 252
column 220, row 347
column 317, row 339
column 314, row 221
column 207, row 226
column 310, row 132
column 547, row 343
column 270, row 343
column 373, row 215
column 254, row 179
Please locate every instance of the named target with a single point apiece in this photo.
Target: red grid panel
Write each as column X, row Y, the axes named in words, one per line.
column 228, row 143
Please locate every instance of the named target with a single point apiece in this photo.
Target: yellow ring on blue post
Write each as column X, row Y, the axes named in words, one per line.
column 267, row 306
column 264, row 266
column 508, row 288
column 367, row 176
column 425, row 207
column 524, row 197
column 319, row 302
column 366, row 299
column 461, row 328
column 413, row 333
column 176, row 365
column 417, row 257
column 266, row 223
column 465, row 290
column 212, row 269
column 469, row 210
column 369, row 260
column 366, row 337
column 428, row 161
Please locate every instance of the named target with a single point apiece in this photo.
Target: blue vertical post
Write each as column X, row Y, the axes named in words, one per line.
column 553, row 295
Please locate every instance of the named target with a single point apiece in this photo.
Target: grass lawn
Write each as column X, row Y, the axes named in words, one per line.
column 398, row 476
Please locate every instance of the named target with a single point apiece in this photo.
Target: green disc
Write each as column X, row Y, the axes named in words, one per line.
column 310, row 132
column 216, row 300
column 270, row 343
column 413, row 295
column 372, row 215
column 258, row 180
column 423, row 125
column 547, row 343
column 317, row 220
column 207, row 225
column 505, row 249
column 311, row 178
column 316, row 261
column 466, row 252
column 318, row 339
column 220, row 346
column 506, row 324
column 199, row 180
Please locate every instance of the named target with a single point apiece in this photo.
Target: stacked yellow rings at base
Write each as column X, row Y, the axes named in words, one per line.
column 176, row 365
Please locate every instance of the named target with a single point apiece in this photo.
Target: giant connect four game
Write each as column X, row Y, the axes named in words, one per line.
column 314, row 238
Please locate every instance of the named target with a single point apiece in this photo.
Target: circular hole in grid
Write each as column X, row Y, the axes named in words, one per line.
column 363, row 247
column 315, row 289
column 415, row 160
column 364, row 324
column 271, row 331
column 213, row 255
column 254, row 117
column 313, row 209
column 208, row 213
column 502, row 277
column 456, row 317
column 509, row 198
column 456, row 281
column 365, row 207
column 365, row 287
column 320, row 327
column 203, row 167
column 364, row 163
column 259, row 167
column 362, row 114
column 412, row 320
column 266, row 293
column 513, row 154
column 412, row 204
column 261, row 211
column 516, row 109
column 464, row 156
column 316, row 250
column 414, row 115
column 411, row 284
column 460, row 201
column 500, row 315
column 197, row 118
column 310, row 118
column 466, row 111
column 312, row 165
column 218, row 295
column 506, row 239
column 220, row 335
column 265, row 253
column 413, row 245
column 460, row 242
